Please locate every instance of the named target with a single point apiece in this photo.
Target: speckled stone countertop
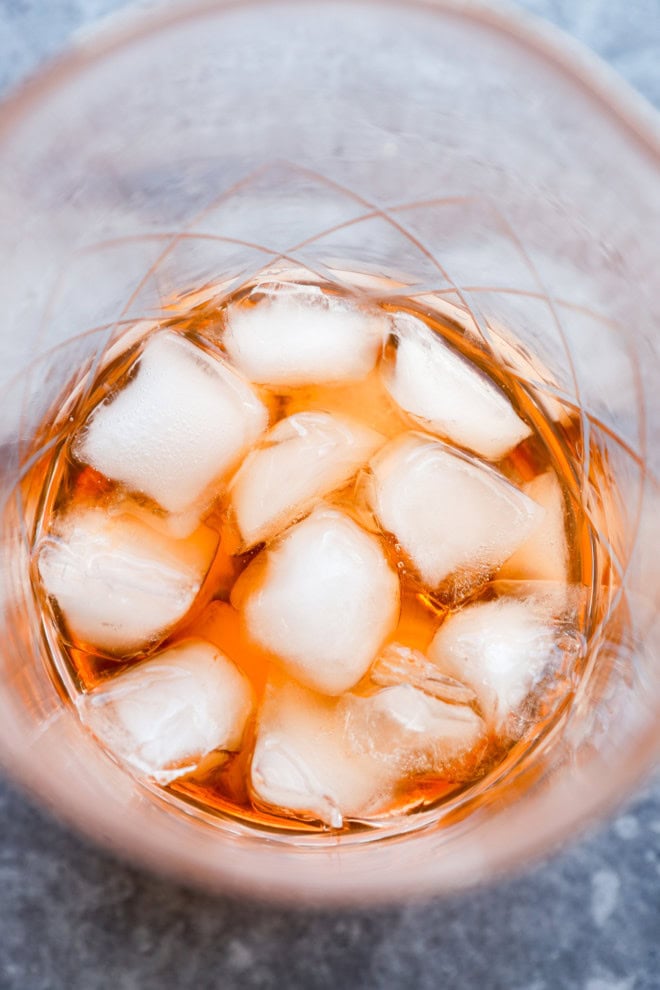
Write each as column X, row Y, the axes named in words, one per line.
column 73, row 918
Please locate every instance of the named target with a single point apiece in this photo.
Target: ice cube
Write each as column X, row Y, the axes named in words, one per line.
column 405, row 728
column 119, row 584
column 567, row 604
column 303, row 763
column 446, row 510
column 302, row 459
column 500, row 648
column 164, row 715
column 322, row 600
column 303, row 335
column 448, row 395
column 544, row 555
column 178, row 426
column 399, row 664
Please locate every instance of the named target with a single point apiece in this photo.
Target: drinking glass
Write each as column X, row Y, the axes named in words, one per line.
column 453, row 147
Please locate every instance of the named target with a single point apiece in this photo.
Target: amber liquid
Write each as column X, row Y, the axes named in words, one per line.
column 220, row 786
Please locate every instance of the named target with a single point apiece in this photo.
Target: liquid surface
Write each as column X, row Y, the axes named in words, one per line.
column 418, row 718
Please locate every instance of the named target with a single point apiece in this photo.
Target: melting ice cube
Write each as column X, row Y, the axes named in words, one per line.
column 449, row 396
column 302, row 336
column 500, row 648
column 176, row 428
column 162, row 716
column 408, row 729
column 448, row 511
column 302, row 761
column 119, row 584
column 337, row 758
column 544, row 555
column 303, row 458
column 322, row 600
column 399, row 664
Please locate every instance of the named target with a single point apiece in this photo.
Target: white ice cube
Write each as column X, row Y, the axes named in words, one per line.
column 303, row 762
column 322, row 600
column 447, row 511
column 176, row 428
column 304, row 336
column 544, row 555
column 448, row 395
column 338, row 758
column 500, row 648
column 404, row 727
column 164, row 715
column 119, row 584
column 303, row 458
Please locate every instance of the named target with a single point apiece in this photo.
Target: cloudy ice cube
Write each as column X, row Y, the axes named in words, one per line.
column 303, row 763
column 164, row 715
column 566, row 604
column 304, row 336
column 303, row 458
column 544, row 554
column 447, row 511
column 322, row 600
column 446, row 394
column 119, row 584
column 405, row 728
column 178, row 426
column 500, row 648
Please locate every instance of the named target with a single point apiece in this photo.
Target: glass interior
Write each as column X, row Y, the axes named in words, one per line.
column 438, row 144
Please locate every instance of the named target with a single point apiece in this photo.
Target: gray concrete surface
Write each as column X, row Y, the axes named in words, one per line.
column 73, row 918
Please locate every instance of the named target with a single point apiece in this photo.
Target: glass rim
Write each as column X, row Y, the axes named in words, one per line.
column 576, row 61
